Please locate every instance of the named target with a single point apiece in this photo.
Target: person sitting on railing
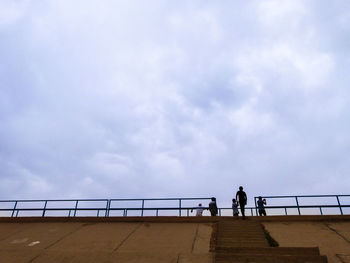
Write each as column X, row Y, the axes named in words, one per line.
column 199, row 210
column 212, row 207
column 261, row 206
column 235, row 207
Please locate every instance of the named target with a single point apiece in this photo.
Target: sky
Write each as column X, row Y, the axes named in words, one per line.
column 136, row 99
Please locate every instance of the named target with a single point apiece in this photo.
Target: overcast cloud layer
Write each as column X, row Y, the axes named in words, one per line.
column 117, row 99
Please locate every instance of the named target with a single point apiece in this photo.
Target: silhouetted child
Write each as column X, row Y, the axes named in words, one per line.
column 199, row 210
column 212, row 207
column 261, row 206
column 235, row 207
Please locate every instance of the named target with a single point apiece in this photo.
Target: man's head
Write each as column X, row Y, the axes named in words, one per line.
column 213, row 199
column 241, row 188
column 199, row 204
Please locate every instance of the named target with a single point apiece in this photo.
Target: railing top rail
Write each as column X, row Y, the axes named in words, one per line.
column 293, row 196
column 52, row 200
column 105, row 199
column 304, row 206
column 160, row 199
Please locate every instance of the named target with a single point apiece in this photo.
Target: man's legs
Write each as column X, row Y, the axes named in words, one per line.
column 242, row 205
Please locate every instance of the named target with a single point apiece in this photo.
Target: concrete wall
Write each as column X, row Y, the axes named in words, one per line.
column 45, row 242
column 152, row 239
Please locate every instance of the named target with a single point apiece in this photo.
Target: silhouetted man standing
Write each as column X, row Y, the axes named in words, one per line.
column 242, row 199
column 212, row 207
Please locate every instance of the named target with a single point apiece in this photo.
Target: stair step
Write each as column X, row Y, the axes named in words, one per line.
column 245, row 240
column 236, row 258
column 241, row 244
column 307, row 251
column 239, row 234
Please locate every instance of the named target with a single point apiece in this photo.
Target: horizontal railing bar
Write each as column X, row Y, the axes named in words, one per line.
column 155, row 208
column 160, row 199
column 303, row 196
column 113, row 199
column 306, row 206
column 56, row 200
column 102, row 209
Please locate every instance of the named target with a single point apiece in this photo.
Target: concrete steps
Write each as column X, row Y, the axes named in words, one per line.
column 244, row 241
column 240, row 233
column 237, row 258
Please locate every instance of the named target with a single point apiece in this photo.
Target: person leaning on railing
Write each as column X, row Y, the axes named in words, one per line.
column 261, row 206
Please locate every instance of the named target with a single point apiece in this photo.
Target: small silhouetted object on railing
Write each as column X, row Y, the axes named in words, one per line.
column 242, row 199
column 213, row 207
column 261, row 206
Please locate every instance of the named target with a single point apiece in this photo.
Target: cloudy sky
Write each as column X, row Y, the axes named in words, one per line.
column 120, row 99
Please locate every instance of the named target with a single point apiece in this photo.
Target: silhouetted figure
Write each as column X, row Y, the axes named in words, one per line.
column 212, row 207
column 242, row 199
column 235, row 207
column 199, row 210
column 261, row 206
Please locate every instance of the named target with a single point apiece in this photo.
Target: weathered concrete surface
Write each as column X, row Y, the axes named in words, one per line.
column 154, row 239
column 332, row 237
column 104, row 242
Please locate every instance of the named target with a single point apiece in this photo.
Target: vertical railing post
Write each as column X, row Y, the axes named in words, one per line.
column 14, row 208
column 341, row 210
column 157, row 212
column 179, row 207
column 143, row 206
column 256, row 207
column 219, row 211
column 76, row 206
column 321, row 210
column 44, row 209
column 107, row 208
column 296, row 199
column 285, row 210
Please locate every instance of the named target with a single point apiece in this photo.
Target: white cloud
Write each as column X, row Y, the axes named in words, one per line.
column 12, row 11
column 273, row 12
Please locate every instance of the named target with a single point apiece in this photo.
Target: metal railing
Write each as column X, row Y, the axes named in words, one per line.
column 171, row 206
column 102, row 207
column 335, row 202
